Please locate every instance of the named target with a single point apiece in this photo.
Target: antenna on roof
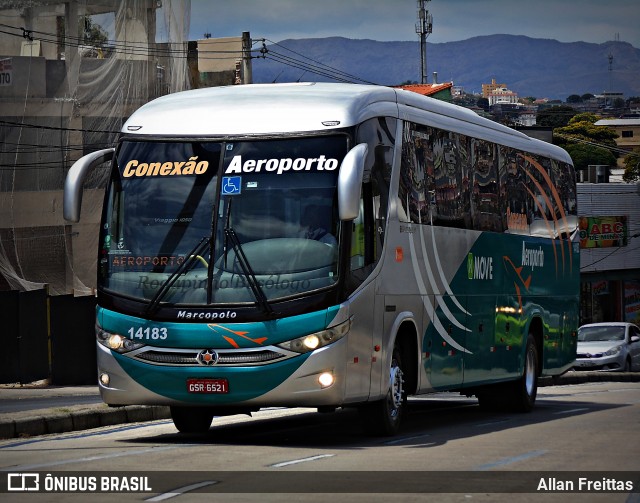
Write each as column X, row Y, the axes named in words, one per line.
column 424, row 27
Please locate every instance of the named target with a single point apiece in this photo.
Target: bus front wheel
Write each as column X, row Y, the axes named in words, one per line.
column 191, row 419
column 383, row 417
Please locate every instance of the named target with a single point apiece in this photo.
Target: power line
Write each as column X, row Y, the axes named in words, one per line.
column 55, row 128
column 616, row 250
column 319, row 64
column 133, row 48
column 592, row 143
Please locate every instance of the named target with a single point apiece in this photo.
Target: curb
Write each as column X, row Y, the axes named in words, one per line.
column 581, row 377
column 82, row 420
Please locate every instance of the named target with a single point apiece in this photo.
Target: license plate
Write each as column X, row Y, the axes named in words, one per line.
column 207, row 386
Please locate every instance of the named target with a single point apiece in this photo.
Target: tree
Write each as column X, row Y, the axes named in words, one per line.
column 583, row 155
column 632, row 166
column 556, row 116
column 582, row 128
column 483, row 103
column 93, row 33
column 586, row 142
column 587, row 97
column 574, row 98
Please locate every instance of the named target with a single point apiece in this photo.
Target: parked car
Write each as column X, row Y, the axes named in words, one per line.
column 611, row 346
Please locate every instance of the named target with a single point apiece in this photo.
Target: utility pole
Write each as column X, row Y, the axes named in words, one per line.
column 424, row 26
column 247, row 71
column 610, row 57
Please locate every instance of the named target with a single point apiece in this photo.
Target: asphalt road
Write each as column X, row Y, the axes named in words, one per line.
column 448, row 450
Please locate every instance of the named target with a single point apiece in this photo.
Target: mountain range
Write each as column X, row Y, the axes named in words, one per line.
column 531, row 67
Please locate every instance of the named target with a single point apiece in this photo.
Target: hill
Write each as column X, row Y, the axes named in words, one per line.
column 529, row 66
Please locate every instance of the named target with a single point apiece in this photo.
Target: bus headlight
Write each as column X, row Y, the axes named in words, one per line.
column 117, row 342
column 317, row 340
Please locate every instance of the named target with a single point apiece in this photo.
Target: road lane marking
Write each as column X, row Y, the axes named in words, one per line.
column 181, row 490
column 571, row 411
column 511, row 460
column 89, row 458
column 405, row 439
column 491, row 423
column 301, row 460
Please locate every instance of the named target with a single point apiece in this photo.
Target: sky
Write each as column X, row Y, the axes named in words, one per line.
column 594, row 21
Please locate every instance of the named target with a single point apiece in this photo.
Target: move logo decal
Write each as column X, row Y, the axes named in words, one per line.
column 479, row 267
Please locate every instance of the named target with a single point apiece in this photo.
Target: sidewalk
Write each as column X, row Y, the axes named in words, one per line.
column 58, row 414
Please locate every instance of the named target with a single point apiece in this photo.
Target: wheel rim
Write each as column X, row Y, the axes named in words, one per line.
column 530, row 372
column 396, row 388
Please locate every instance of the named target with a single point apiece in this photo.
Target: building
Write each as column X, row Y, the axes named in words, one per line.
column 610, row 252
column 515, row 114
column 437, row 91
column 487, row 89
column 501, row 96
column 67, row 83
column 628, row 132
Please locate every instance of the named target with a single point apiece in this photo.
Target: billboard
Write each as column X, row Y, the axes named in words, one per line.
column 603, row 232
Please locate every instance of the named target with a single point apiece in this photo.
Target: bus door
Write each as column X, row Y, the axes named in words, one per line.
column 360, row 353
column 445, row 341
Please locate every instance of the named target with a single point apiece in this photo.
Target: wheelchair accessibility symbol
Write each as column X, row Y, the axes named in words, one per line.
column 231, row 185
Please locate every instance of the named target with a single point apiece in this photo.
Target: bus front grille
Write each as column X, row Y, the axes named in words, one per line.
column 190, row 357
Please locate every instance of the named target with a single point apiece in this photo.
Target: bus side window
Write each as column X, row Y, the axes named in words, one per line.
column 485, row 192
column 369, row 228
column 416, row 174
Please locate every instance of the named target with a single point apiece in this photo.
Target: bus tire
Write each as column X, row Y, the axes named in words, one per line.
column 525, row 389
column 191, row 419
column 383, row 417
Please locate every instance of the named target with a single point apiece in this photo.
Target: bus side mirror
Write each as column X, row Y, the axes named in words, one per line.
column 350, row 182
column 74, row 182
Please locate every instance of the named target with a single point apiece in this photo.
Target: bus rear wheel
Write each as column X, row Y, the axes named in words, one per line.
column 383, row 417
column 191, row 419
column 525, row 389
column 517, row 396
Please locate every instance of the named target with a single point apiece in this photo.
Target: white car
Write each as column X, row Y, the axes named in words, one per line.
column 613, row 346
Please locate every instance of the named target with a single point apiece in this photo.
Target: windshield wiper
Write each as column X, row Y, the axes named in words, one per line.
column 183, row 268
column 255, row 287
column 245, row 265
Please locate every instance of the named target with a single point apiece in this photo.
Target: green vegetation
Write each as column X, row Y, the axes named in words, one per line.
column 586, row 142
column 632, row 166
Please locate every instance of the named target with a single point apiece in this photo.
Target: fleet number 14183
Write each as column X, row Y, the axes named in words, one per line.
column 148, row 333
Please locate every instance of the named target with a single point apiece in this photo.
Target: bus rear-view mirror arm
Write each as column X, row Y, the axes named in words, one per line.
column 74, row 182
column 350, row 182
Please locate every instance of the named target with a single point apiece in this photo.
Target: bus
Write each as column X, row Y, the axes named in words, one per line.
column 329, row 246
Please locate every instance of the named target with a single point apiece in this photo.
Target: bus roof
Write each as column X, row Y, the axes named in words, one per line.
column 265, row 109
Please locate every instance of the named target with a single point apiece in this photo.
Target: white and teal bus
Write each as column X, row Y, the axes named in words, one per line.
column 329, row 246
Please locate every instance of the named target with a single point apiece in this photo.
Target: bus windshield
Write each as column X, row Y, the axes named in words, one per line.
column 203, row 222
